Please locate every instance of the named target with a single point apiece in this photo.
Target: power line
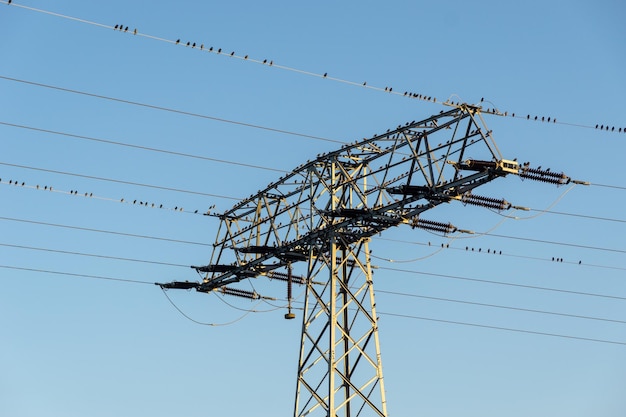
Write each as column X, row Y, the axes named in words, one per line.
column 573, row 245
column 510, row 284
column 584, row 216
column 472, row 249
column 91, row 177
column 91, row 255
column 47, row 271
column 145, row 148
column 208, row 213
column 99, row 277
column 450, row 300
column 178, row 209
column 385, row 268
column 270, row 63
column 168, row 109
column 509, row 329
column 210, row 245
column 222, row 161
column 104, row 231
column 617, row 187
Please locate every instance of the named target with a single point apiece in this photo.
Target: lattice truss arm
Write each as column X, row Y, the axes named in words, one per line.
column 356, row 192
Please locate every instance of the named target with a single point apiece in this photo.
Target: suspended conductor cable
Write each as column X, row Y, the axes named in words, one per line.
column 86, row 229
column 91, row 255
column 539, row 212
column 178, row 209
column 326, row 76
column 253, row 310
column 169, row 109
column 144, row 148
column 528, row 310
column 509, row 329
column 510, row 284
column 71, row 274
column 91, row 177
column 199, row 322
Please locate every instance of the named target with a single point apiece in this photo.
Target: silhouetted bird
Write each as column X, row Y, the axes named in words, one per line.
column 177, row 41
column 188, row 43
column 232, row 53
column 116, row 26
column 325, row 74
column 135, row 31
column 126, row 29
column 219, row 51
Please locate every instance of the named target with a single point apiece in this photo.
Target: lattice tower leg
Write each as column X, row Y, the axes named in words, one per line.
column 340, row 371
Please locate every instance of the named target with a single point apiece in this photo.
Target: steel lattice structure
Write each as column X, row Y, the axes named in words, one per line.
column 312, row 227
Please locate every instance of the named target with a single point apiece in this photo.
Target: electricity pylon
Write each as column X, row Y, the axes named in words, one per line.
column 320, row 218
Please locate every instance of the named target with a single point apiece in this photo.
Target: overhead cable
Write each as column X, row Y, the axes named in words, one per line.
column 199, row 46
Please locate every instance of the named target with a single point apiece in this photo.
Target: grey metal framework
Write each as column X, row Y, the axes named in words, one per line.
column 312, row 227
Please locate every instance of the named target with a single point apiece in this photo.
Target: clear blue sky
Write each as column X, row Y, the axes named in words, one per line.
column 76, row 345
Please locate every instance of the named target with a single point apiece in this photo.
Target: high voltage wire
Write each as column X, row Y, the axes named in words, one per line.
column 86, row 229
column 90, row 255
column 608, row 219
column 169, row 109
column 510, row 284
column 487, row 252
column 224, row 161
column 89, row 195
column 528, row 310
column 47, row 271
column 237, row 198
column 208, row 213
column 15, row 268
column 573, row 245
column 145, row 148
column 484, row 326
column 387, row 89
column 91, row 177
column 75, row 253
column 210, row 245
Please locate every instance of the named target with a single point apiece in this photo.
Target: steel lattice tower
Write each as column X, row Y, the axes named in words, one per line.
column 312, row 227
